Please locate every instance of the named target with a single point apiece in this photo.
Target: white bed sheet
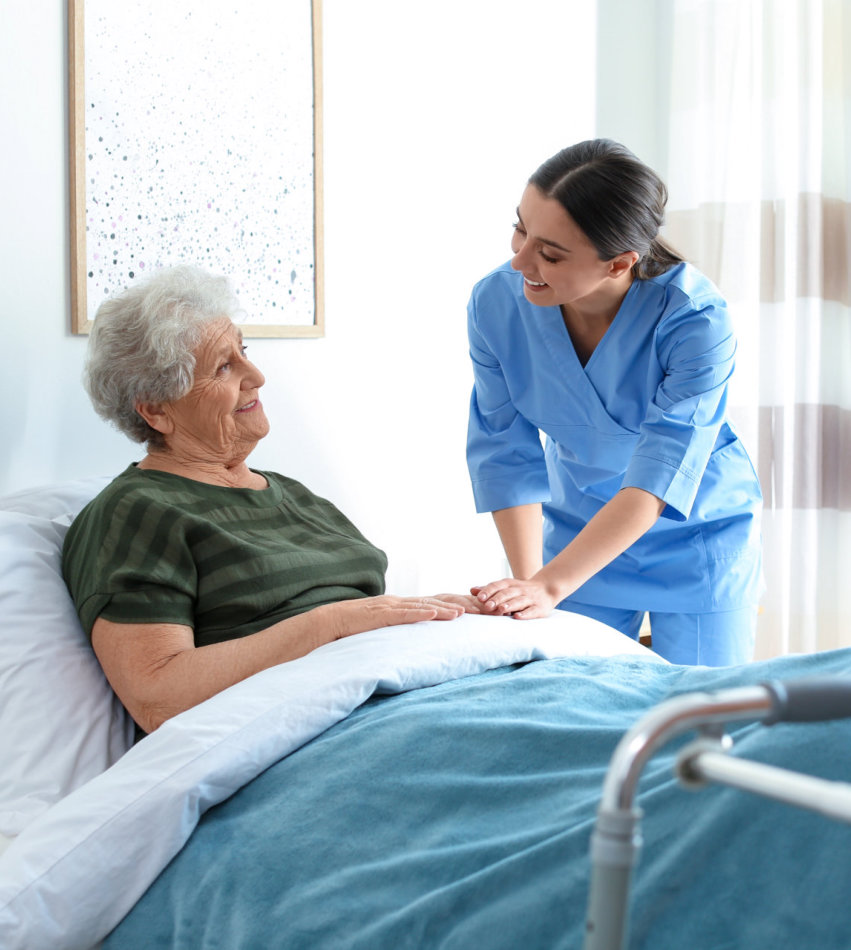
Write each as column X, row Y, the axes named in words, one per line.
column 73, row 873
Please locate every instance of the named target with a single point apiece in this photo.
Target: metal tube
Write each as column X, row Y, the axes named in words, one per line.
column 832, row 799
column 615, row 843
column 669, row 719
column 607, row 920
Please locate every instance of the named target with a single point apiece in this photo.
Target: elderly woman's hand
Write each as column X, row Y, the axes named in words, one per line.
column 470, row 604
column 356, row 616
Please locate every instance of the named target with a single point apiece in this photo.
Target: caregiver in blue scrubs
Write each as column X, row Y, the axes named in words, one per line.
column 599, row 337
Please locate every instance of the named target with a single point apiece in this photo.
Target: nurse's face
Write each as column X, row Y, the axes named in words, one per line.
column 560, row 266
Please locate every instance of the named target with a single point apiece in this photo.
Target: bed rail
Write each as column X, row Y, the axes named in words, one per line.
column 616, row 839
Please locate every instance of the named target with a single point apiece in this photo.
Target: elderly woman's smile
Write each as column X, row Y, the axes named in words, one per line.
column 221, row 418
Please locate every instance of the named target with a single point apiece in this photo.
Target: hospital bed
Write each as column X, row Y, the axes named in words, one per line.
column 430, row 786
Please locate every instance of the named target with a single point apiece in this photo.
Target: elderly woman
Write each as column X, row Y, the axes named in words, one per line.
column 192, row 571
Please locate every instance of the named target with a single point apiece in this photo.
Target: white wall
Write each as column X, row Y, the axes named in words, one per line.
column 435, row 114
column 633, row 80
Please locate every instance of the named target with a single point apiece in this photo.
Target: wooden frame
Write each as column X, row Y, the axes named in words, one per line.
column 275, row 262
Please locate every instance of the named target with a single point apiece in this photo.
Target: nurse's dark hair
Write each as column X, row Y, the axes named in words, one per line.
column 616, row 200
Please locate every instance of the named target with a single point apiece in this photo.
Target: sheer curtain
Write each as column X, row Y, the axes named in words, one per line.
column 759, row 173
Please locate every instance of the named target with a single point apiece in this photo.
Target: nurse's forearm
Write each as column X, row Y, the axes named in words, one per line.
column 522, row 534
column 617, row 525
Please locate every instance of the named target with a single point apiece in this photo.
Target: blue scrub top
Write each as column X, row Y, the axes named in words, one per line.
column 647, row 411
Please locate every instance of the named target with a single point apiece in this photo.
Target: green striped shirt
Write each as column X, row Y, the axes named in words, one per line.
column 158, row 548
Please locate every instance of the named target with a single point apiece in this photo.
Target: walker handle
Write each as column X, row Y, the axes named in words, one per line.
column 809, row 700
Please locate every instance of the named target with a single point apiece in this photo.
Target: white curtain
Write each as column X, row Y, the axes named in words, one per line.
column 759, row 174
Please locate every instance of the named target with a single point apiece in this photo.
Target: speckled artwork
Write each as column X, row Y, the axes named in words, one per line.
column 199, row 148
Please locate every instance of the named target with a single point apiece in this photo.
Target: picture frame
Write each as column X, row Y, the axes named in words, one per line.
column 195, row 136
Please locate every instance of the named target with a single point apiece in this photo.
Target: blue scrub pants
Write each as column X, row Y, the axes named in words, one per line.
column 716, row 639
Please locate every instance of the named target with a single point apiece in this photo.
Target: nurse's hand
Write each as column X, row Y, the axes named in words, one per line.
column 523, row 600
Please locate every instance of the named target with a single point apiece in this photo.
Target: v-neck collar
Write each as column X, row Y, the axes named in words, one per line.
column 559, row 338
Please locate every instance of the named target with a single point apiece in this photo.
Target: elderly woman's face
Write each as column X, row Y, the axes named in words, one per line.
column 221, row 417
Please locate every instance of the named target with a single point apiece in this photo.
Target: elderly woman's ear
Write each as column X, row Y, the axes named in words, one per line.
column 155, row 415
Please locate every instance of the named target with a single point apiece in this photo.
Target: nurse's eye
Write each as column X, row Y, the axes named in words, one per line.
column 518, row 227
column 549, row 260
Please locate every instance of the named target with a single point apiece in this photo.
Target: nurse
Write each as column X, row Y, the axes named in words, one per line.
column 600, row 338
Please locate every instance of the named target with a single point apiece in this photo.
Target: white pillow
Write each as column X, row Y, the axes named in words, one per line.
column 60, row 723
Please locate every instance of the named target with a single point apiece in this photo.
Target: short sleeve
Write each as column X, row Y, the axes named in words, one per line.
column 127, row 560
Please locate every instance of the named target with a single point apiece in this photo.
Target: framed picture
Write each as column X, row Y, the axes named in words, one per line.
column 195, row 137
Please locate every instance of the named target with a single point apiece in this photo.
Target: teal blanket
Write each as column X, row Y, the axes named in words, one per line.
column 458, row 817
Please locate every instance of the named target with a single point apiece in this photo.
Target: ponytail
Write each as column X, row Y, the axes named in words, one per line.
column 659, row 258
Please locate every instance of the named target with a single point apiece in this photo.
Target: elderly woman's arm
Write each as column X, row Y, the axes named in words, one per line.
column 157, row 671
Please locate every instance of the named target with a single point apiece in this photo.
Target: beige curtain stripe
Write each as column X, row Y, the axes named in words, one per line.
column 809, row 467
column 717, row 237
